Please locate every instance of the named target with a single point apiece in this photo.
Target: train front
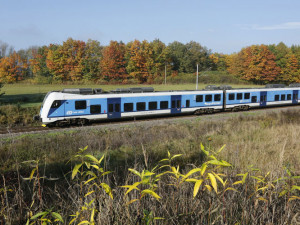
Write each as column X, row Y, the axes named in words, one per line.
column 50, row 102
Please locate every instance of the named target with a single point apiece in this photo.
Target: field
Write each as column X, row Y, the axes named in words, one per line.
column 253, row 180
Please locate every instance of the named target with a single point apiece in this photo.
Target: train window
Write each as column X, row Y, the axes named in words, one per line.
column 289, row 97
column 95, row 109
column 199, row 98
column 178, row 104
column 283, row 97
column 110, row 107
column 117, row 107
column 217, row 97
column 276, row 98
column 239, row 96
column 254, row 99
column 164, row 105
column 140, row 106
column 80, row 104
column 187, row 103
column 128, row 107
column 208, row 98
column 56, row 104
column 246, row 95
column 231, row 96
column 152, row 105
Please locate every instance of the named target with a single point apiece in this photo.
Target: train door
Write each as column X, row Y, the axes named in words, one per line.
column 176, row 104
column 295, row 96
column 263, row 98
column 113, row 108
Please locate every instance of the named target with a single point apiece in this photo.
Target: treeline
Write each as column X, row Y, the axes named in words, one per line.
column 144, row 62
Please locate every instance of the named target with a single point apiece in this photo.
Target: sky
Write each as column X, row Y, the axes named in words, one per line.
column 223, row 26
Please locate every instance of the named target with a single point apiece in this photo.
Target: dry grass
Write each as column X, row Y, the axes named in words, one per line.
column 267, row 142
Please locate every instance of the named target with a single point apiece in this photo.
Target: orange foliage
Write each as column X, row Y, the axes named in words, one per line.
column 12, row 68
column 113, row 62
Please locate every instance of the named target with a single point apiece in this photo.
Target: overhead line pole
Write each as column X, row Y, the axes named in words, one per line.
column 197, row 78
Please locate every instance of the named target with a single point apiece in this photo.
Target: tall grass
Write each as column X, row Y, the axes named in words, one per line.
column 260, row 188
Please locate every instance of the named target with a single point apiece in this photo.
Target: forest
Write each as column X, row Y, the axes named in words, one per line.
column 137, row 61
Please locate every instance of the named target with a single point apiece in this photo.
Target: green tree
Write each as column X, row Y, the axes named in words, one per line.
column 91, row 61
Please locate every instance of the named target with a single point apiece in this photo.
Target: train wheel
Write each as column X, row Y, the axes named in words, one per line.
column 82, row 122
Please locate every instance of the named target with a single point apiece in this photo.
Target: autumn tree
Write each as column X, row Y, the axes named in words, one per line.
column 12, row 68
column 113, row 62
column 38, row 64
column 140, row 60
column 255, row 63
column 219, row 61
column 66, row 61
column 291, row 72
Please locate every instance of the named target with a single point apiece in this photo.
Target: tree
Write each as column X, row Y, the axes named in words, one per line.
column 91, row 61
column 3, row 49
column 38, row 63
column 12, row 68
column 66, row 61
column 290, row 73
column 159, row 58
column 255, row 63
column 113, row 62
column 186, row 57
column 140, row 61
column 218, row 61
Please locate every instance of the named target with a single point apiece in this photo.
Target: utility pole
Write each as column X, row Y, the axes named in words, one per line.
column 197, row 78
column 166, row 73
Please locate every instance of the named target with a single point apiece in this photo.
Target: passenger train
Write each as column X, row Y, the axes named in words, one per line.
column 79, row 106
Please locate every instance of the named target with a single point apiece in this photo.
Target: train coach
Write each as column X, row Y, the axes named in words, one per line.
column 79, row 106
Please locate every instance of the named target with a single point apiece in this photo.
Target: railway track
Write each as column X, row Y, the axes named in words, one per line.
column 13, row 131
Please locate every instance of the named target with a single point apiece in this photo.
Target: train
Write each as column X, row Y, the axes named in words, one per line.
column 84, row 105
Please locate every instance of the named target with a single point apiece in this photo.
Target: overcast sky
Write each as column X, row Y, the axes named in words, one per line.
column 224, row 26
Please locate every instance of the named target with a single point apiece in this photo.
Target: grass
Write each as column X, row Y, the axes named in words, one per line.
column 267, row 142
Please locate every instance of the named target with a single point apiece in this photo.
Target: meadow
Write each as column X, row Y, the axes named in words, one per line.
column 172, row 173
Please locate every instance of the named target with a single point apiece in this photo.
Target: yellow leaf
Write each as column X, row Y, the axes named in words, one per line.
column 132, row 201
column 208, row 187
column 237, row 182
column 196, row 187
column 152, row 193
column 191, row 172
column 213, row 181
column 75, row 170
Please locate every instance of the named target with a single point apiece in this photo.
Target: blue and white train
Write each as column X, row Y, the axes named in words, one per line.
column 79, row 106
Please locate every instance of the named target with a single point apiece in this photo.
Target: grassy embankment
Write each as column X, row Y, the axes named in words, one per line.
column 22, row 101
column 268, row 142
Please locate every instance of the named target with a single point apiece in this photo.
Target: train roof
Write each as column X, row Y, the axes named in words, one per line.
column 99, row 91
